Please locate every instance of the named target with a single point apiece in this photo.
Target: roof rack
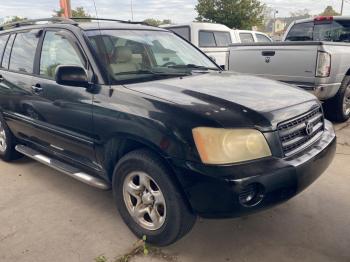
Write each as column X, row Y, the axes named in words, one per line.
column 107, row 19
column 53, row 20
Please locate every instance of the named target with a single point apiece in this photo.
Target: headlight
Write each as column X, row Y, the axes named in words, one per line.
column 227, row 146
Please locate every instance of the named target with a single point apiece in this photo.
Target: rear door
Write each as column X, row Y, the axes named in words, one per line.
column 63, row 114
column 16, row 80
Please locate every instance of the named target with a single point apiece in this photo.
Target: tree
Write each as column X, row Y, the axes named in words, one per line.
column 329, row 11
column 242, row 14
column 301, row 13
column 15, row 19
column 77, row 12
column 156, row 22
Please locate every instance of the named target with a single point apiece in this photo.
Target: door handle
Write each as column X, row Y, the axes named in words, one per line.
column 37, row 88
column 268, row 53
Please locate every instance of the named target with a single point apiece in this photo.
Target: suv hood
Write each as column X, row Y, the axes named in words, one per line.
column 232, row 99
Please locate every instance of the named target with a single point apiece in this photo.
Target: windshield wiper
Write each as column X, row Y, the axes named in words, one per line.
column 193, row 66
column 156, row 73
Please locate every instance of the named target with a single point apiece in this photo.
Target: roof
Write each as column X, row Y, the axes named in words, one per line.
column 336, row 18
column 200, row 25
column 81, row 23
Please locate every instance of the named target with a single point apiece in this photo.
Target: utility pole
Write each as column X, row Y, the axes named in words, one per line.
column 275, row 12
column 132, row 10
column 342, row 7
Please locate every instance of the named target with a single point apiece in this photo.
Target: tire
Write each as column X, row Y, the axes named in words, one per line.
column 171, row 216
column 338, row 107
column 7, row 143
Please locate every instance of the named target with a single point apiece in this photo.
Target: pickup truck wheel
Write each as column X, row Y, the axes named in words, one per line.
column 338, row 107
column 7, row 143
column 148, row 199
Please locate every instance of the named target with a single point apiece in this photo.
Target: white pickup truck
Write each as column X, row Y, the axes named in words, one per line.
column 314, row 55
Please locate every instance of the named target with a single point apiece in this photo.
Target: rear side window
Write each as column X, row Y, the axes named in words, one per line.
column 184, row 32
column 262, row 38
column 301, row 32
column 58, row 50
column 246, row 37
column 214, row 39
column 7, row 52
column 23, row 52
column 3, row 41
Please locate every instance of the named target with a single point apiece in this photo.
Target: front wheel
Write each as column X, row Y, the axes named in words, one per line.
column 148, row 199
column 338, row 107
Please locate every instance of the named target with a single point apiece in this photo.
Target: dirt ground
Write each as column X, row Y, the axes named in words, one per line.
column 47, row 216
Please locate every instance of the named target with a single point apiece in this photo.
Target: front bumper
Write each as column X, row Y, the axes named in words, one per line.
column 214, row 191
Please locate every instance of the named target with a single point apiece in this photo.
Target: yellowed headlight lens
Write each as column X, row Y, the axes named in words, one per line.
column 227, row 146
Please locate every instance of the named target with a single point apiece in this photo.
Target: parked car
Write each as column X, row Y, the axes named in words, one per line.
column 100, row 102
column 248, row 36
column 315, row 56
column 214, row 39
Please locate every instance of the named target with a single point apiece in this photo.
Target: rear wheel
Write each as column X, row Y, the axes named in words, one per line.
column 338, row 107
column 7, row 143
column 149, row 200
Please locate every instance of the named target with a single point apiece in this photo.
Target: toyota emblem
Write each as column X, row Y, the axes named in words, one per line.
column 309, row 128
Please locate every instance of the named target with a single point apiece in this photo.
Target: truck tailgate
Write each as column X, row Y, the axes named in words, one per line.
column 293, row 62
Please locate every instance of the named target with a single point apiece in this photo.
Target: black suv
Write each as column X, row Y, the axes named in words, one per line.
column 140, row 110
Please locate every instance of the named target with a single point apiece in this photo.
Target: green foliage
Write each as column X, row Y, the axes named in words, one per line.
column 241, row 14
column 101, row 259
column 155, row 22
column 329, row 11
column 80, row 12
column 77, row 12
column 15, row 19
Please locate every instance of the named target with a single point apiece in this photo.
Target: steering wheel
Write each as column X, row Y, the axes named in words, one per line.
column 169, row 64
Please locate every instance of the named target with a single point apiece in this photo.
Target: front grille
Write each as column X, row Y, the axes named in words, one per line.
column 300, row 132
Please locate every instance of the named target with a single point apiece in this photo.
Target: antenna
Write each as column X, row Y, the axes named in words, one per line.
column 132, row 10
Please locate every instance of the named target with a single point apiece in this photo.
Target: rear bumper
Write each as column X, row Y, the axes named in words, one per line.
column 214, row 192
column 321, row 91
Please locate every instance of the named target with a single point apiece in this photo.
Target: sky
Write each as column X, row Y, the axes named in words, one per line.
column 176, row 10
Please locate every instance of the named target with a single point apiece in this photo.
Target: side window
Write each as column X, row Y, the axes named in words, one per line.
column 58, row 50
column 246, row 37
column 206, row 39
column 23, row 52
column 262, row 38
column 7, row 52
column 301, row 32
column 223, row 39
column 3, row 41
column 182, row 31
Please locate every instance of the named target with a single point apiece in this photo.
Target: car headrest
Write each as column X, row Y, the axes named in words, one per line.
column 122, row 54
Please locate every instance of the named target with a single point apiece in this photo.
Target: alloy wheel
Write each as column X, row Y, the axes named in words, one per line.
column 346, row 102
column 3, row 144
column 144, row 200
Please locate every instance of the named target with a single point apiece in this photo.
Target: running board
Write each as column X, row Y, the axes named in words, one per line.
column 63, row 167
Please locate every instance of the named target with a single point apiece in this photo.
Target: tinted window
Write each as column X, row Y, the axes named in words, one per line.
column 207, row 39
column 222, row 39
column 23, row 52
column 58, row 50
column 3, row 40
column 262, row 38
column 246, row 37
column 182, row 31
column 337, row 31
column 301, row 32
column 6, row 57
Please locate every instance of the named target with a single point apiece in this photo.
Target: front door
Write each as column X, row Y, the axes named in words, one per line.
column 63, row 113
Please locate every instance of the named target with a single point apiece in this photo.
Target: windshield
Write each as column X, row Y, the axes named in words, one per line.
column 140, row 55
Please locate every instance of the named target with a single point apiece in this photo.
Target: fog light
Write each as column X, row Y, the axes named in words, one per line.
column 251, row 195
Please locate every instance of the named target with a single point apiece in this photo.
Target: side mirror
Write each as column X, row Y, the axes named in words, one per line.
column 71, row 76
